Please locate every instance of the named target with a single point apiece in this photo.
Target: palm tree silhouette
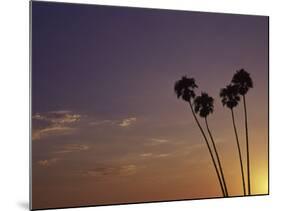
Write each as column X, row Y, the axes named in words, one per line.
column 230, row 98
column 184, row 88
column 244, row 82
column 204, row 105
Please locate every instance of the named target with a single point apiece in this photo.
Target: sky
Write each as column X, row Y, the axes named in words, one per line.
column 107, row 127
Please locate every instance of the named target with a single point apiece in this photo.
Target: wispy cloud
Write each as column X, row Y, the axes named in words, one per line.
column 104, row 171
column 69, row 148
column 163, row 155
column 53, row 123
column 156, row 141
column 159, row 141
column 102, row 122
column 127, row 122
column 47, row 162
column 188, row 150
column 155, row 155
column 193, row 148
column 145, row 155
column 120, row 123
column 57, row 117
column 52, row 130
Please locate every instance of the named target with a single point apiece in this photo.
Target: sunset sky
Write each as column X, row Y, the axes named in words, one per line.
column 107, row 127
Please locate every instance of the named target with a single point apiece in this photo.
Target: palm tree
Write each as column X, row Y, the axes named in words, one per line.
column 230, row 99
column 184, row 88
column 204, row 105
column 244, row 82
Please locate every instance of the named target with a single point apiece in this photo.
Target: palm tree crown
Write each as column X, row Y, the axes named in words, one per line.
column 243, row 80
column 230, row 96
column 204, row 104
column 184, row 88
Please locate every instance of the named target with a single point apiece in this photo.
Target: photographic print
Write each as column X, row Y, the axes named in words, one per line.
column 135, row 105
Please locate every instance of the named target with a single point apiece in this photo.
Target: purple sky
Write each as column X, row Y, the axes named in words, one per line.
column 105, row 113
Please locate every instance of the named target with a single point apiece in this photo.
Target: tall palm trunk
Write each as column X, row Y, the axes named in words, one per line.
column 213, row 143
column 247, row 146
column 239, row 151
column 210, row 151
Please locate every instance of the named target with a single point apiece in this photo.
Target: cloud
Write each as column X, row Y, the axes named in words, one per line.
column 154, row 155
column 146, row 155
column 69, row 148
column 127, row 122
column 53, row 123
column 58, row 117
column 188, row 150
column 163, row 155
column 54, row 130
column 193, row 148
column 102, row 122
column 104, row 171
column 121, row 123
column 127, row 170
column 157, row 141
column 47, row 162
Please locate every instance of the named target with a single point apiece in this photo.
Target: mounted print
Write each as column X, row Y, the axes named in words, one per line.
column 134, row 105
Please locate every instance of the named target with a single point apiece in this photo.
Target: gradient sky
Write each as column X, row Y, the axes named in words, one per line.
column 106, row 125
